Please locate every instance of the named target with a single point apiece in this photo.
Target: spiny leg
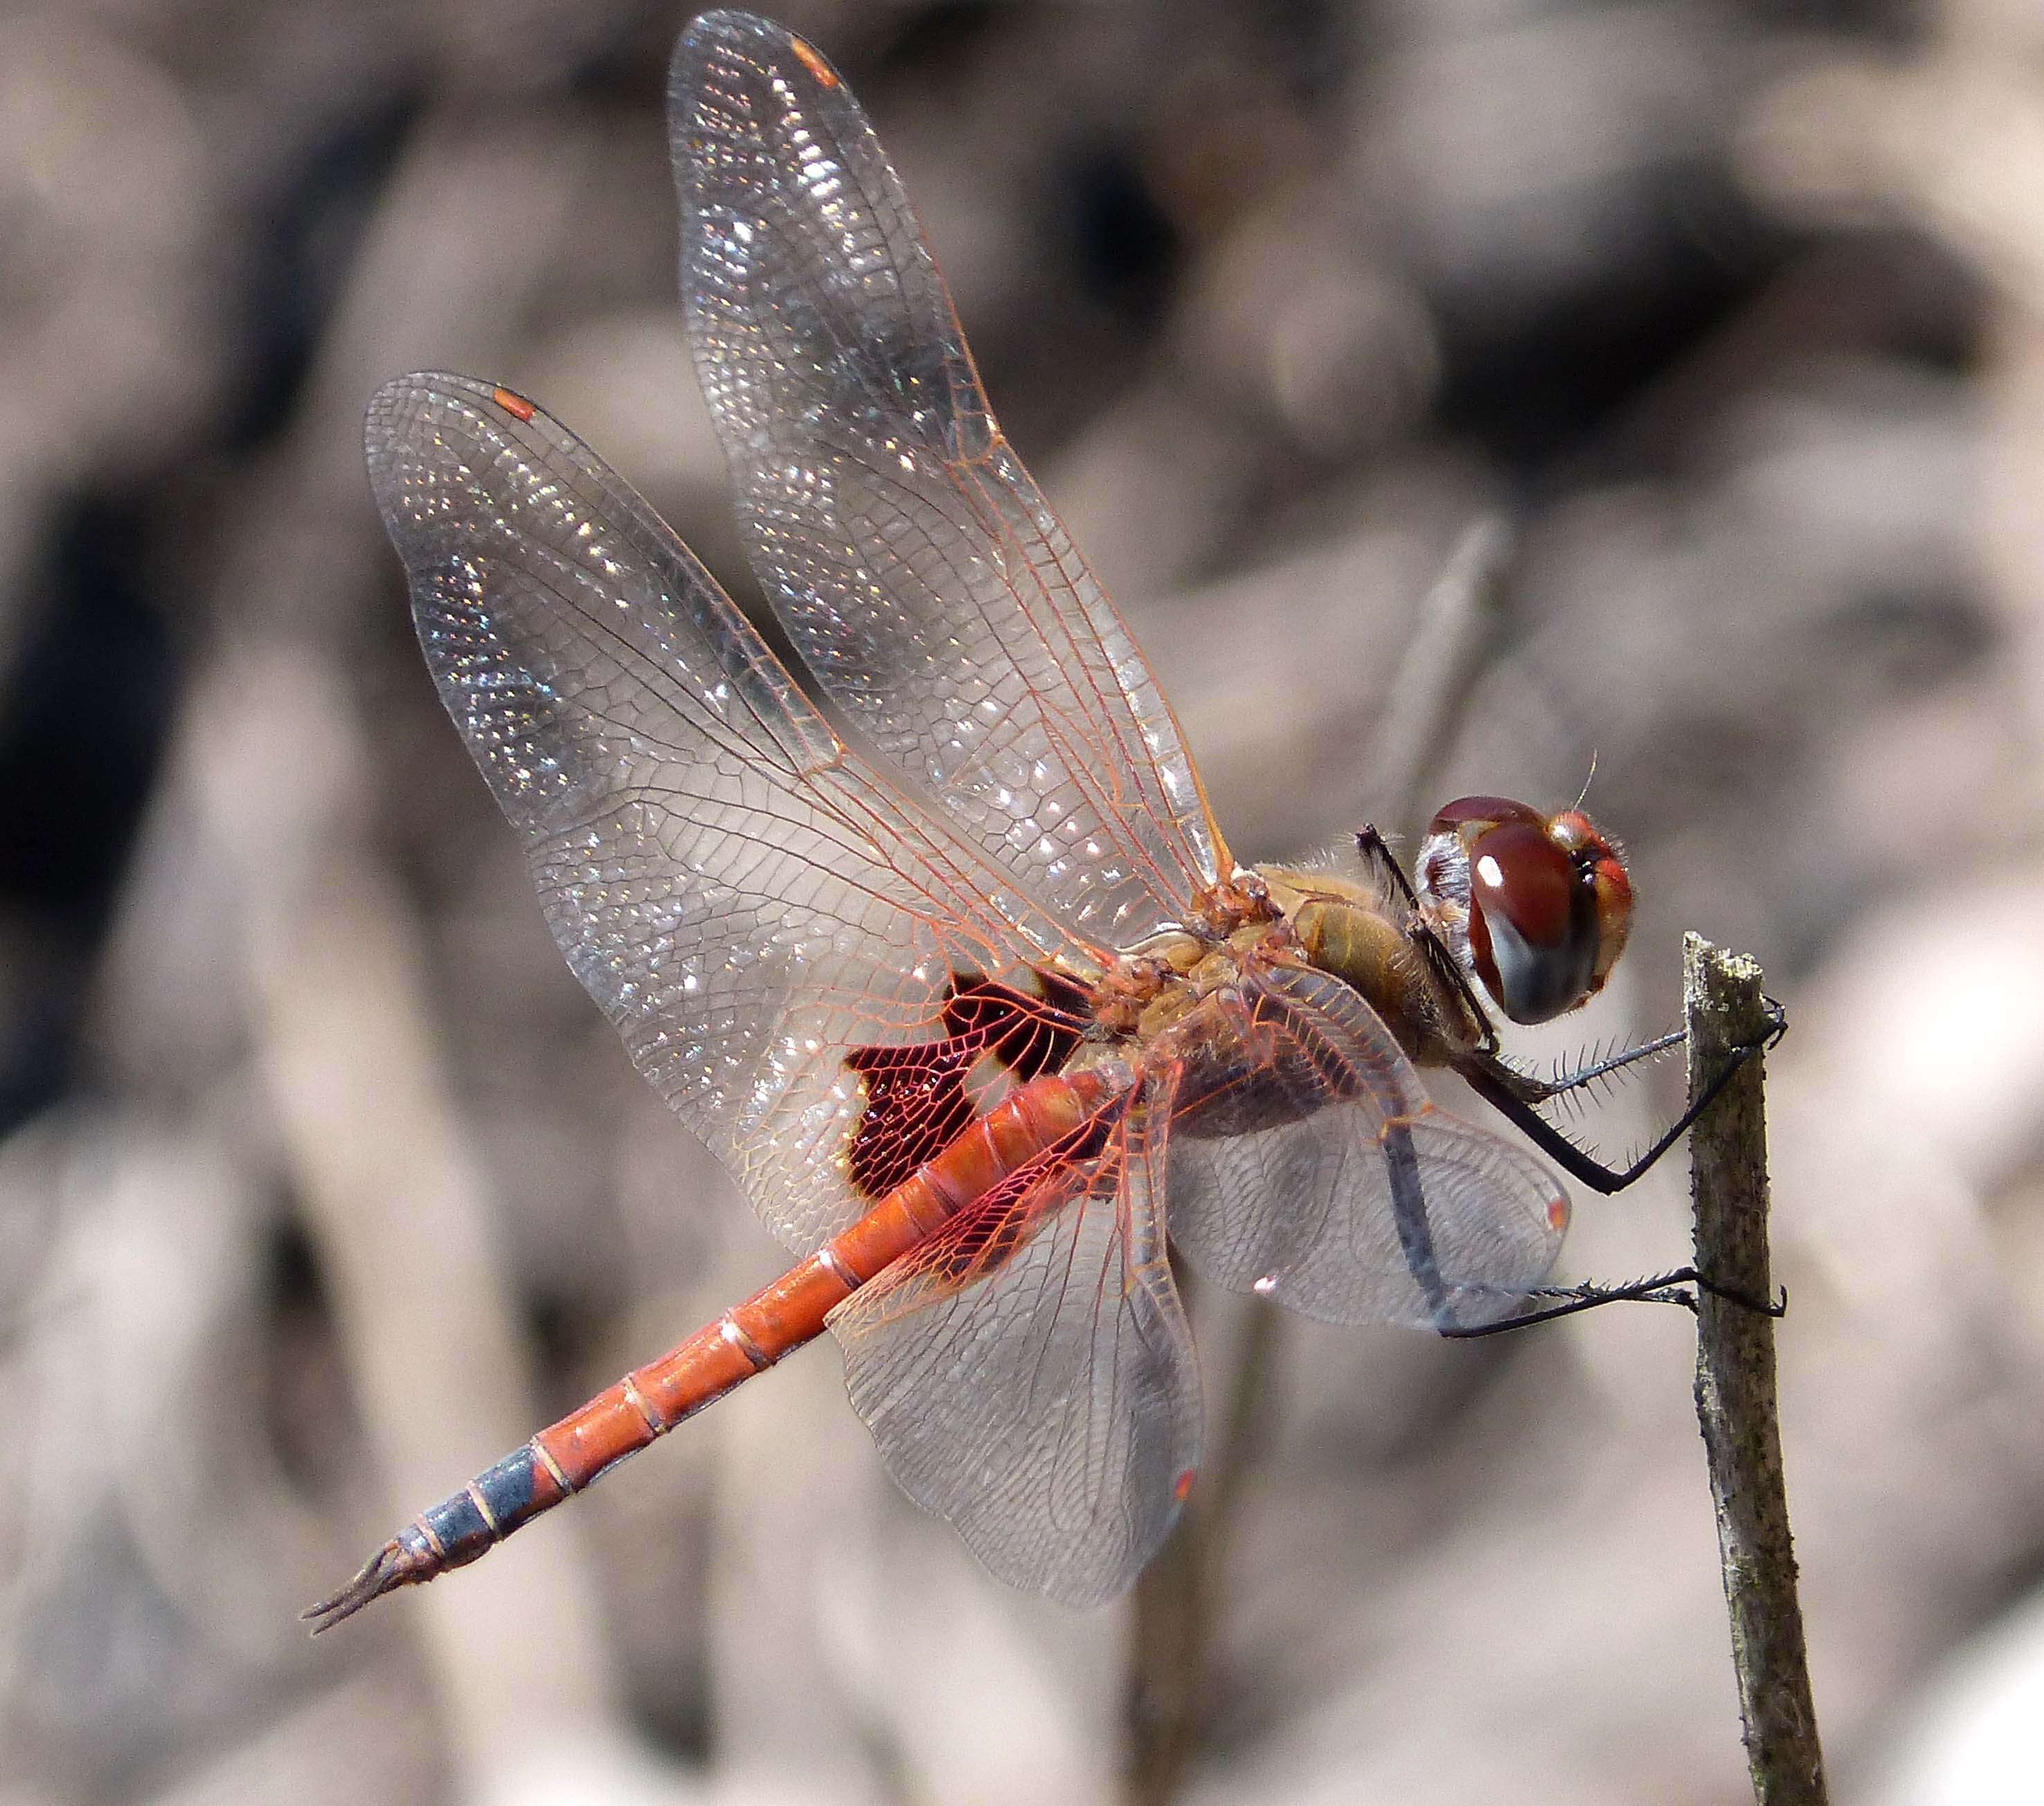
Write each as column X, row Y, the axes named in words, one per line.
column 1517, row 1095
column 1662, row 1289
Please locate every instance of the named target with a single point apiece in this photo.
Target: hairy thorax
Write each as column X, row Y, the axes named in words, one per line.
column 1198, row 997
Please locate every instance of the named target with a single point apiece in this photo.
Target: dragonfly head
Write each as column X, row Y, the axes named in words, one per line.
column 1535, row 907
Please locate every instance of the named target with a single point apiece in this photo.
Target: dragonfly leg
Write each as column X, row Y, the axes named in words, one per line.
column 1377, row 851
column 1369, row 842
column 1517, row 1095
column 1663, row 1289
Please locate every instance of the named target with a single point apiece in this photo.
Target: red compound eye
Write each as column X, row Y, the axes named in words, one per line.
column 1541, row 904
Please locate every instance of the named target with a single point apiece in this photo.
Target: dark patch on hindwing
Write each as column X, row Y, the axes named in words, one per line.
column 918, row 1099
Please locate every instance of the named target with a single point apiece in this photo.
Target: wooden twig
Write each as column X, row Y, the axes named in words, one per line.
column 1725, row 1010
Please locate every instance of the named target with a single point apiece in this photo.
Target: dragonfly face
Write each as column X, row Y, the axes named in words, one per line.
column 980, row 1008
column 1536, row 907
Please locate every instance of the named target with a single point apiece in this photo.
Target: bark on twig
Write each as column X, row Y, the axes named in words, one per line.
column 1735, row 1392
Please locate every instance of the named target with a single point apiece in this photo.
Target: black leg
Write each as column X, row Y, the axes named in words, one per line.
column 1536, row 1090
column 1516, row 1094
column 1665, row 1288
column 1377, row 850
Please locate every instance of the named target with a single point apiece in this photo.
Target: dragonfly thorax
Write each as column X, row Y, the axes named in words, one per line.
column 1344, row 927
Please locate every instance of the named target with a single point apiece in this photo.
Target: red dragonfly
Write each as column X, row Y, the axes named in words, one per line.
column 964, row 1009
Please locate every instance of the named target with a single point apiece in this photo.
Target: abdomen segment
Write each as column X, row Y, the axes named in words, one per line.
column 563, row 1458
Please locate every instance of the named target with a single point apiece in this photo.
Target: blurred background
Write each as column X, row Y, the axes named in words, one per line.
column 322, row 1185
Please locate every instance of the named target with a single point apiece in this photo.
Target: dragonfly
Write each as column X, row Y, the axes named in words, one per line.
column 971, row 997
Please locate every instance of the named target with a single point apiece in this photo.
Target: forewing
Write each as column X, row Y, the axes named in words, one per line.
column 915, row 565
column 1320, row 1174
column 1027, row 1372
column 746, row 902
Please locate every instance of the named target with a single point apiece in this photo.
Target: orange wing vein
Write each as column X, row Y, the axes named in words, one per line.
column 746, row 900
column 1027, row 1372
column 913, row 563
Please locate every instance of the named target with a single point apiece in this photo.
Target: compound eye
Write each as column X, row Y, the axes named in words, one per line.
column 1537, row 906
column 1535, row 931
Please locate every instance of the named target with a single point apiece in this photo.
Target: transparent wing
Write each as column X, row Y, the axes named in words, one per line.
column 916, row 566
column 751, row 907
column 1318, row 1173
column 1027, row 1372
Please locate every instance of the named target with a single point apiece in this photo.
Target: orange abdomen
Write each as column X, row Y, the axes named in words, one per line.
column 650, row 1400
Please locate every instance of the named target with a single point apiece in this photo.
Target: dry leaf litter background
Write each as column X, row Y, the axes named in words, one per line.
column 323, row 1184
